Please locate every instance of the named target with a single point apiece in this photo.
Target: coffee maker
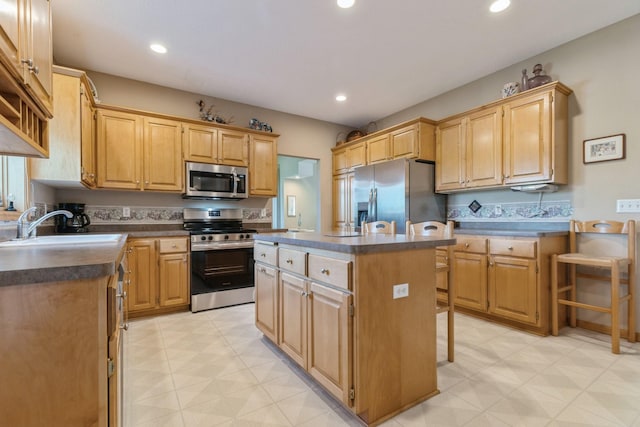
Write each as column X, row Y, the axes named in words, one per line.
column 77, row 224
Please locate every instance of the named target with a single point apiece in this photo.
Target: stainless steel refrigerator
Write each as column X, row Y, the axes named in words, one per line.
column 397, row 190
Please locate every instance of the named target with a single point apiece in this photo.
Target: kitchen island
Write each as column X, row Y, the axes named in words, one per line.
column 356, row 312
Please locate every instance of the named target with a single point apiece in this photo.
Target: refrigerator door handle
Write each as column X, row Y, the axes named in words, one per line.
column 370, row 206
column 375, row 204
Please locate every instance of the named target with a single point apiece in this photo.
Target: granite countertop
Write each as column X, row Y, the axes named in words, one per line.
column 40, row 264
column 354, row 243
column 514, row 233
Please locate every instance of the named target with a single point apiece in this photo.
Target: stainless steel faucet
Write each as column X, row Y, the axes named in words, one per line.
column 27, row 230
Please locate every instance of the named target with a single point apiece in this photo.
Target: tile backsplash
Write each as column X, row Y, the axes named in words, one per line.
column 158, row 215
column 551, row 211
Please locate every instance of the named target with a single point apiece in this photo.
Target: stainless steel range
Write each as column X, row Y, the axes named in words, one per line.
column 221, row 258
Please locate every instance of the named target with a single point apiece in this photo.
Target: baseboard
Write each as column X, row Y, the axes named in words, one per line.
column 603, row 329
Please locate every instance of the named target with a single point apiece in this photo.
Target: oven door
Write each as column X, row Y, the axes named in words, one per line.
column 220, row 278
column 215, row 181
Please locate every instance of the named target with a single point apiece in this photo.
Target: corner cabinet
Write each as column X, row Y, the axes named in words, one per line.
column 159, row 270
column 505, row 279
column 25, row 75
column 519, row 140
column 71, row 133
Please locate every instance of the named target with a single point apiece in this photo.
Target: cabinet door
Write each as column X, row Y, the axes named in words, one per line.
column 356, row 155
column 11, row 26
column 162, row 155
column 404, row 142
column 263, row 166
column 450, row 156
column 378, row 149
column 174, row 279
column 513, row 288
column 39, row 51
column 293, row 318
column 200, row 143
column 266, row 280
column 87, row 138
column 527, row 139
column 233, row 148
column 142, row 261
column 340, row 200
column 329, row 333
column 119, row 150
column 470, row 275
column 340, row 161
column 483, row 147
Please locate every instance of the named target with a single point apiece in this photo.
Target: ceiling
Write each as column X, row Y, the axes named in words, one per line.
column 295, row 56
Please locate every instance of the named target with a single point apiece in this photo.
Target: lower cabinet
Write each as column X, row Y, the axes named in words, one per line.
column 506, row 279
column 309, row 320
column 159, row 275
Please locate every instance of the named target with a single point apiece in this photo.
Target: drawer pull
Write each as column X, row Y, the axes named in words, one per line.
column 262, row 270
column 303, row 293
column 466, row 245
column 510, row 248
column 325, row 271
column 263, row 255
column 289, row 261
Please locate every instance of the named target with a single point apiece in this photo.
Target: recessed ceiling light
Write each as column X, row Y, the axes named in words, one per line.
column 499, row 5
column 341, row 98
column 345, row 4
column 158, row 48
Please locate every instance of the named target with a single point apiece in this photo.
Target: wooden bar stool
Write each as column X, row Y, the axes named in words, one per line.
column 615, row 265
column 379, row 227
column 444, row 282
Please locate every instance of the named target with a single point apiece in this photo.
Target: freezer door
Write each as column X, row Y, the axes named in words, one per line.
column 363, row 190
column 391, row 192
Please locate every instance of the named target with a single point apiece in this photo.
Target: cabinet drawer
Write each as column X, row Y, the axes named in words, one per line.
column 267, row 254
column 331, row 271
column 471, row 244
column 292, row 260
column 519, row 248
column 167, row 246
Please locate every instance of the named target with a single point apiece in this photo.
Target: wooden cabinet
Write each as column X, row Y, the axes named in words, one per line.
column 263, row 165
column 137, row 152
column 469, row 151
column 25, row 77
column 71, row 133
column 347, row 158
column 159, row 275
column 293, row 317
column 233, row 147
column 506, row 279
column 343, row 214
column 200, row 143
column 518, row 140
column 266, row 283
column 378, row 149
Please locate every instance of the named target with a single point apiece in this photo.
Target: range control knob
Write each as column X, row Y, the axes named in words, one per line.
column 203, row 238
column 226, row 237
column 241, row 236
column 248, row 236
column 210, row 237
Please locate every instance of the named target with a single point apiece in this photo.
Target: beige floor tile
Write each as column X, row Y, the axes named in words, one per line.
column 527, row 406
column 285, row 386
column 271, row 370
column 487, row 420
column 303, row 407
column 615, row 408
column 441, row 410
column 210, row 389
column 575, row 416
column 171, row 420
column 270, row 416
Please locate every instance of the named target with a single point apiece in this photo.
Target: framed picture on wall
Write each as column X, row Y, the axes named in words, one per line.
column 603, row 149
column 291, row 205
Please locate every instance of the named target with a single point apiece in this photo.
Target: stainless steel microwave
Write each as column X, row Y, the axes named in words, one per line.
column 206, row 181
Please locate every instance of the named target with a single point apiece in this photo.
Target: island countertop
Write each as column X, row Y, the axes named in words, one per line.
column 39, row 264
column 354, row 243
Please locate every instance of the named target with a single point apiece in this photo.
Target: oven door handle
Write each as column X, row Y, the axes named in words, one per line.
column 195, row 247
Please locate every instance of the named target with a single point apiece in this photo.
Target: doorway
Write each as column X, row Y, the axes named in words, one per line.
column 297, row 206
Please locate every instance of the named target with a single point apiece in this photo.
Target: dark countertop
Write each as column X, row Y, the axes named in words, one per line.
column 40, row 264
column 354, row 243
column 514, row 233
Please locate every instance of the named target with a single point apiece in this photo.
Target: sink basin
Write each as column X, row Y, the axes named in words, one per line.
column 59, row 240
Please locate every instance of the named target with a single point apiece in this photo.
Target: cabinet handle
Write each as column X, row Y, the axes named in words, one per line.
column 125, row 326
column 303, row 293
column 510, row 248
column 122, row 295
column 263, row 255
column 289, row 261
column 146, row 183
column 466, row 245
column 325, row 271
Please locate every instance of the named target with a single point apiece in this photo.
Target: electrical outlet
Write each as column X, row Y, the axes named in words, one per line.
column 401, row 290
column 126, row 212
column 498, row 210
column 628, row 206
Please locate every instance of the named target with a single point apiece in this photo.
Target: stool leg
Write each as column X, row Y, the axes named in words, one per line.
column 631, row 308
column 573, row 295
column 554, row 295
column 615, row 307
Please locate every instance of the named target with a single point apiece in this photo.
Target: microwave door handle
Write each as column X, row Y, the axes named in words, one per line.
column 235, row 182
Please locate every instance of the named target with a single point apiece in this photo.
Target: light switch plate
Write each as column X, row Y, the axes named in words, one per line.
column 628, row 206
column 401, row 290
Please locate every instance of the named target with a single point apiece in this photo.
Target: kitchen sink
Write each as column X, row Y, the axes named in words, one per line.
column 59, row 240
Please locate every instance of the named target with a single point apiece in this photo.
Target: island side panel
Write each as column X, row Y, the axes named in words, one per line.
column 395, row 339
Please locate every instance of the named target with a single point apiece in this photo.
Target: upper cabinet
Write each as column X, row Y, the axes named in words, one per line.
column 71, row 133
column 518, row 140
column 347, row 158
column 25, row 77
column 233, row 147
column 263, row 165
